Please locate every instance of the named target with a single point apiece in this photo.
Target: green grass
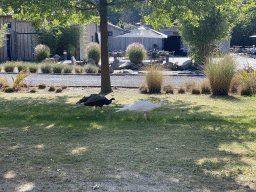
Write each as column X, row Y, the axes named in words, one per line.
column 192, row 142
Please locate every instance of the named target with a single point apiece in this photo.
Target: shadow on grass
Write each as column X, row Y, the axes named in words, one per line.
column 180, row 141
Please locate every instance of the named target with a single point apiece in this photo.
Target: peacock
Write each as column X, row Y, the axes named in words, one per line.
column 141, row 106
column 95, row 100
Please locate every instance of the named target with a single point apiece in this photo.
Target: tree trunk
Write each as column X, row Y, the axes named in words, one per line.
column 105, row 76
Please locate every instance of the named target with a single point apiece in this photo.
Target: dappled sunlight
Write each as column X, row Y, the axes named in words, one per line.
column 25, row 187
column 10, row 175
column 50, row 126
column 245, row 148
column 39, row 146
column 26, row 128
column 78, row 150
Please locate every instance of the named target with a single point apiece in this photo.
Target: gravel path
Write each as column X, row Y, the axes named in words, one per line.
column 119, row 80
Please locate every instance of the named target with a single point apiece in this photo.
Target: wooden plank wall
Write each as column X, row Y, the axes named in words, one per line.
column 23, row 40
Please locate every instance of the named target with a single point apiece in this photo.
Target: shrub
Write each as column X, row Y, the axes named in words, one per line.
column 21, row 66
column 154, row 79
column 143, row 89
column 235, row 84
column 89, row 68
column 51, row 88
column 46, row 68
column 9, row 66
column 189, row 85
column 205, row 87
column 248, row 76
column 57, row 68
column 59, row 90
column 67, row 69
column 136, row 53
column 220, row 74
column 92, row 51
column 181, row 90
column 78, row 69
column 33, row 68
column 41, row 85
column 168, row 89
column 41, row 52
column 195, row 90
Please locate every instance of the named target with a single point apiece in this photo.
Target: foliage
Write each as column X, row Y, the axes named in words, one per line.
column 205, row 87
column 33, row 68
column 22, row 66
column 154, row 79
column 89, row 68
column 19, row 81
column 143, row 89
column 9, row 66
column 202, row 37
column 46, row 68
column 60, row 37
column 249, row 79
column 67, row 68
column 3, row 32
column 220, row 74
column 41, row 52
column 168, row 89
column 181, row 90
column 93, row 51
column 136, row 53
column 78, row 69
column 57, row 68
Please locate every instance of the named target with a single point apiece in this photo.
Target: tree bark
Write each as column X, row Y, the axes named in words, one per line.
column 105, row 76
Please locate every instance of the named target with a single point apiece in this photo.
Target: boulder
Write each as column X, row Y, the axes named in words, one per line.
column 185, row 65
column 82, row 63
column 115, row 64
column 91, row 61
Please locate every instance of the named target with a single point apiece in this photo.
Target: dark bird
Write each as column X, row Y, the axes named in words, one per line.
column 95, row 100
column 84, row 99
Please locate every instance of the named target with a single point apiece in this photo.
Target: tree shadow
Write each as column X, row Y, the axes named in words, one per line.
column 189, row 141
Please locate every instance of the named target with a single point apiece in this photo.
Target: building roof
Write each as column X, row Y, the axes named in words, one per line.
column 143, row 32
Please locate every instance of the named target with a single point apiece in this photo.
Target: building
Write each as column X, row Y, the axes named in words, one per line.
column 20, row 39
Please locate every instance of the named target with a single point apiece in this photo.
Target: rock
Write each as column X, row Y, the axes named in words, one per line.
column 73, row 60
column 56, row 57
column 51, row 60
column 168, row 66
column 82, row 63
column 126, row 65
column 115, row 64
column 185, row 65
column 91, row 61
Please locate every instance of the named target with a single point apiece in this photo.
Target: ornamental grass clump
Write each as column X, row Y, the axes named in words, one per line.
column 22, row 66
column 46, row 68
column 248, row 77
column 136, row 53
column 154, row 79
column 220, row 74
column 205, row 87
column 41, row 52
column 89, row 68
column 57, row 68
column 168, row 89
column 9, row 66
column 33, row 68
column 93, row 51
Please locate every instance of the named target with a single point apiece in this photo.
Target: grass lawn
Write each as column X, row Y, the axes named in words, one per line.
column 192, row 143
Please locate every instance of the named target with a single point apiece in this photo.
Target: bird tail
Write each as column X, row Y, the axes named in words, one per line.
column 122, row 109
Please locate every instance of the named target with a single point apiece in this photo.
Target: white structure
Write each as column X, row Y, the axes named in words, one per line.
column 140, row 34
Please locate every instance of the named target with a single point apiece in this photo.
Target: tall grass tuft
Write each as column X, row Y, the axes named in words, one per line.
column 248, row 76
column 68, row 69
column 22, row 66
column 154, row 79
column 168, row 89
column 205, row 87
column 235, row 85
column 46, row 68
column 136, row 53
column 33, row 68
column 89, row 68
column 93, row 51
column 57, row 68
column 220, row 74
column 41, row 52
column 9, row 66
